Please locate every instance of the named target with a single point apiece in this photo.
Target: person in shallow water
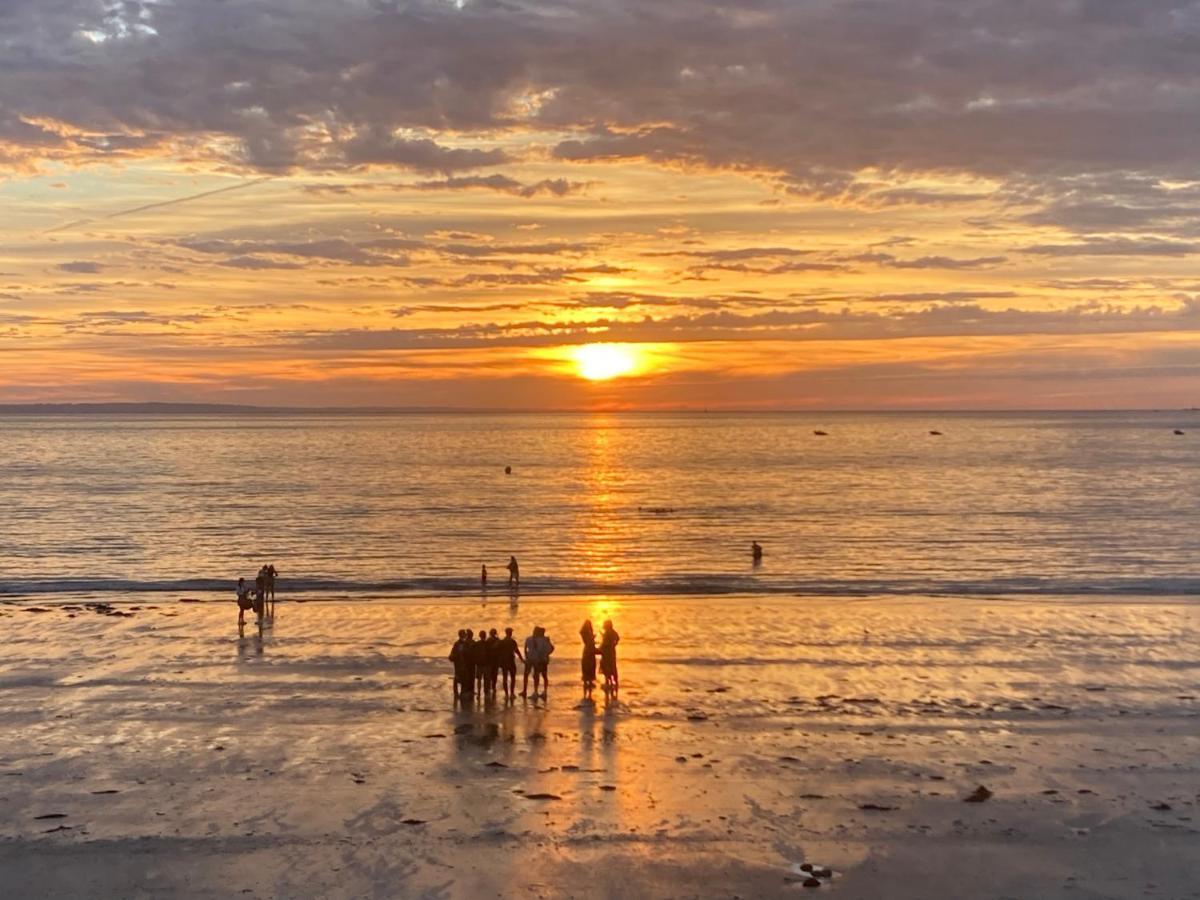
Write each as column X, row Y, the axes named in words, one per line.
column 587, row 661
column 514, row 572
column 272, row 573
column 244, row 602
column 755, row 551
column 508, row 653
column 483, row 577
column 608, row 656
column 258, row 596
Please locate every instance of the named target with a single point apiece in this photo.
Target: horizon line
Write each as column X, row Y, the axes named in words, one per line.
column 206, row 408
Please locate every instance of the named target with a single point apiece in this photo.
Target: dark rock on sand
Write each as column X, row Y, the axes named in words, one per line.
column 811, row 882
column 52, row 816
column 979, row 795
column 1161, row 807
column 608, row 787
column 542, row 797
column 875, row 807
column 412, row 821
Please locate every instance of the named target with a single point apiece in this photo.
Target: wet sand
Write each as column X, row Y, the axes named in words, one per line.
column 156, row 754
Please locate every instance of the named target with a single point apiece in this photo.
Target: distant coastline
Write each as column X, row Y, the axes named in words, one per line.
column 236, row 409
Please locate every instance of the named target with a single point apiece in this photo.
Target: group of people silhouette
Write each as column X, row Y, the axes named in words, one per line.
column 483, row 664
column 480, row 662
column 258, row 597
column 487, row 663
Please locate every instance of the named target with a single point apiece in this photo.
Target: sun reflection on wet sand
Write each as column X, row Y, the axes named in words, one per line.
column 750, row 735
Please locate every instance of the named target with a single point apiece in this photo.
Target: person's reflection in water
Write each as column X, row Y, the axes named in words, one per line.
column 244, row 644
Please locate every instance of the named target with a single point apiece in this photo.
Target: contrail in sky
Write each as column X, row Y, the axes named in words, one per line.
column 159, row 205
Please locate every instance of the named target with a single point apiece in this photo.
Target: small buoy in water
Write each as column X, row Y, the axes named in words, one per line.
column 755, row 550
column 508, row 470
column 936, row 433
column 1179, row 431
column 821, row 433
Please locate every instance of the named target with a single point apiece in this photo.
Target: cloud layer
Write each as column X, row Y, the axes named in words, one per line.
column 284, row 180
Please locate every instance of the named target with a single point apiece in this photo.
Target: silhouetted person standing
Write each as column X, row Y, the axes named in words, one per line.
column 608, row 656
column 587, row 662
column 458, row 657
column 483, row 577
column 493, row 661
column 755, row 551
column 244, row 602
column 508, row 653
column 538, row 648
column 514, row 572
column 479, row 651
column 467, row 654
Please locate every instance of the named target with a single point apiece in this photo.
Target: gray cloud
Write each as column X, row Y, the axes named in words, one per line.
column 812, row 92
column 81, row 267
column 721, row 324
column 553, row 187
column 1116, row 246
column 946, row 262
column 257, row 254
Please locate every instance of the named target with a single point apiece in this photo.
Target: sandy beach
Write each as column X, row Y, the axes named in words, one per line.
column 154, row 753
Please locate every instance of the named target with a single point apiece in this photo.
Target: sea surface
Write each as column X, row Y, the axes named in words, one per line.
column 1091, row 504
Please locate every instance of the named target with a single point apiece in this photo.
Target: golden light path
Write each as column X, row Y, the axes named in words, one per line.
column 600, row 362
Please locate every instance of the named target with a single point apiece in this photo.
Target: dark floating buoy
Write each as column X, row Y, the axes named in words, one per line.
column 508, row 470
column 1179, row 431
column 821, row 433
column 936, row 433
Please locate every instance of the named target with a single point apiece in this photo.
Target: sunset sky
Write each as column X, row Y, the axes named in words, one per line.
column 789, row 204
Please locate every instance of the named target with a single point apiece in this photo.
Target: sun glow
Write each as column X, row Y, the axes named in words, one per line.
column 600, row 362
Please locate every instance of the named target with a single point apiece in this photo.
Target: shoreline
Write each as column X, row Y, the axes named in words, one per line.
column 748, row 739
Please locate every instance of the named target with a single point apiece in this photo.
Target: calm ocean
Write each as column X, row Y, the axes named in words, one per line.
column 397, row 505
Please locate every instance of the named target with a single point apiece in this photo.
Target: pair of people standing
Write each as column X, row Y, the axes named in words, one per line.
column 514, row 574
column 606, row 650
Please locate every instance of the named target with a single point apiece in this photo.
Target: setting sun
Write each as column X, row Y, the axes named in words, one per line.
column 600, row 362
